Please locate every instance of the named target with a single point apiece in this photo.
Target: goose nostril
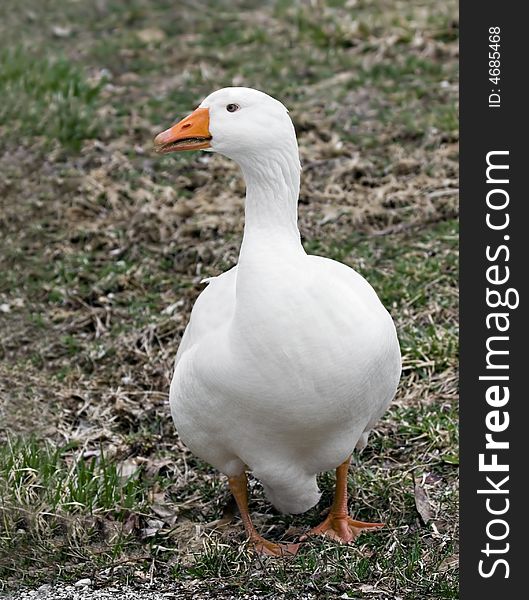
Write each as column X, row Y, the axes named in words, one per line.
column 186, row 125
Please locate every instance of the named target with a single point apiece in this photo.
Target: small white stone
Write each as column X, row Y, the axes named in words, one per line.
column 83, row 582
column 61, row 32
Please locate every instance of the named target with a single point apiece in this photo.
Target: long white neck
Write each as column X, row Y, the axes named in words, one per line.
column 271, row 209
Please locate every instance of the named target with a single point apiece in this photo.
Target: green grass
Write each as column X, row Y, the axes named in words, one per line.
column 47, row 98
column 51, row 497
column 34, row 473
column 325, row 570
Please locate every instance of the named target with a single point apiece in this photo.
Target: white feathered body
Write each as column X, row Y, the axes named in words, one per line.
column 285, row 366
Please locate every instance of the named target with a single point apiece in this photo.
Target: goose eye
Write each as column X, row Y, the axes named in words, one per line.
column 232, row 107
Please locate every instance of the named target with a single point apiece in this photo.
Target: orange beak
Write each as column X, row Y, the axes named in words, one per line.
column 191, row 133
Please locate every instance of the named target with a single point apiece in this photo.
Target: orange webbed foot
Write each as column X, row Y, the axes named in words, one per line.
column 340, row 528
column 239, row 488
column 267, row 548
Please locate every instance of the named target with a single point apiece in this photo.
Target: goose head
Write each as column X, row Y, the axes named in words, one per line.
column 241, row 123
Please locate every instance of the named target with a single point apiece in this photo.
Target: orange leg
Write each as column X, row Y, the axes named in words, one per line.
column 239, row 489
column 338, row 525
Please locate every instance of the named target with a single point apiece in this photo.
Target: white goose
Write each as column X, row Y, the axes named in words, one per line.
column 288, row 359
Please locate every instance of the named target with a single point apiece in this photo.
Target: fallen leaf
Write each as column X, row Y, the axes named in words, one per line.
column 449, row 563
column 168, row 515
column 127, row 468
column 422, row 503
column 150, row 35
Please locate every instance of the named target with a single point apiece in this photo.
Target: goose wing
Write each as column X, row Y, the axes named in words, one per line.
column 213, row 308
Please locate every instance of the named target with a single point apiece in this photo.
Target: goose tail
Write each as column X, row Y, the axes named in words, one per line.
column 293, row 495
